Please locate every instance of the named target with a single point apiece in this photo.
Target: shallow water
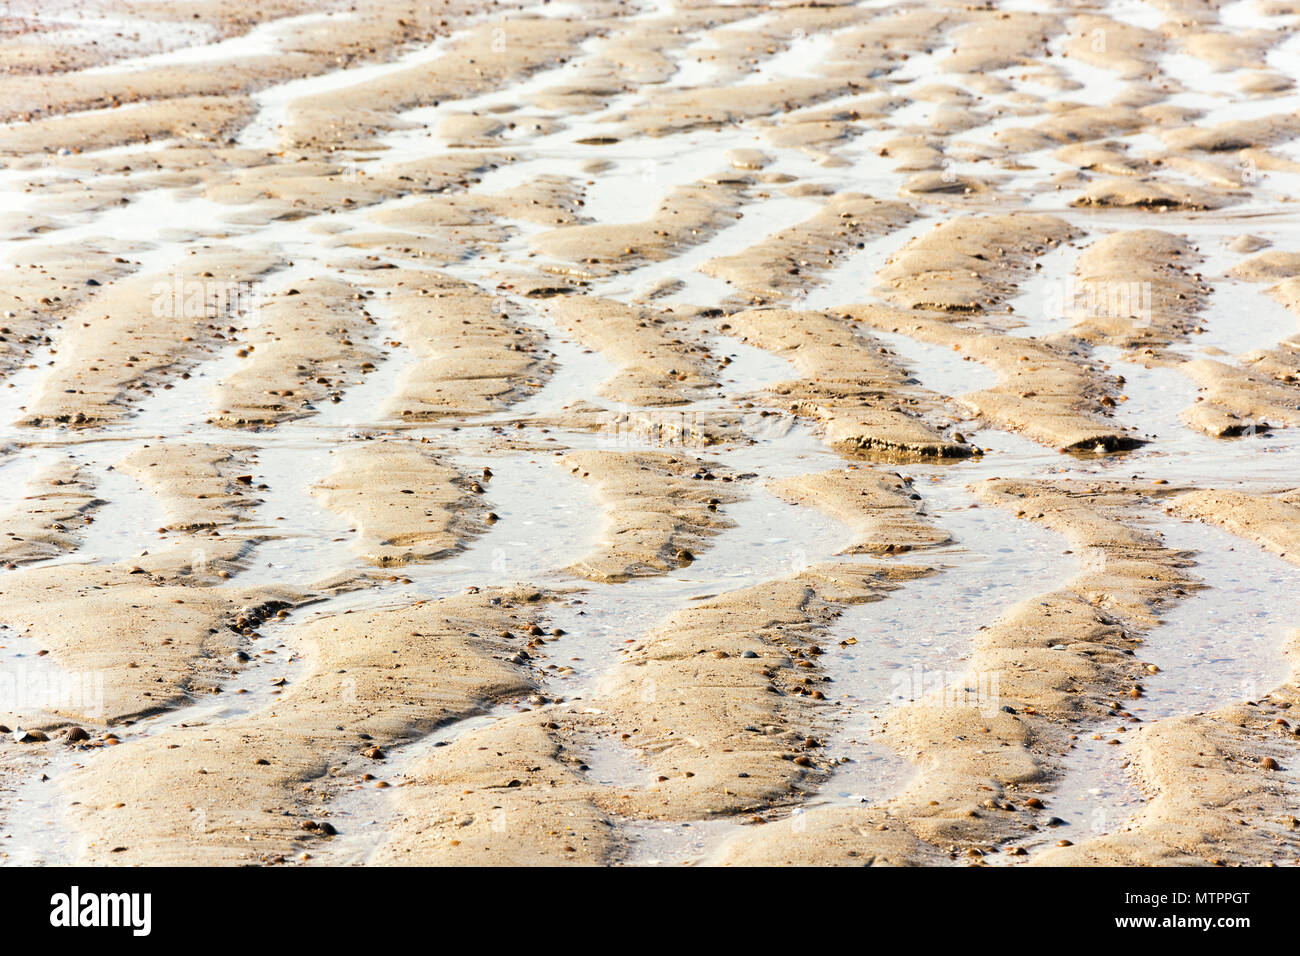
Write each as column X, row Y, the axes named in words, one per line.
column 1223, row 644
column 1219, row 645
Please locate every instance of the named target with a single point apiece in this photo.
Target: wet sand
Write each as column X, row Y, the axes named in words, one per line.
column 610, row 433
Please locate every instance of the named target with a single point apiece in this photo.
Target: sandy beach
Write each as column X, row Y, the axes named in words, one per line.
column 661, row 432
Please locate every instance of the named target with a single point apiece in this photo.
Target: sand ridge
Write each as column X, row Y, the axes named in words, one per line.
column 550, row 433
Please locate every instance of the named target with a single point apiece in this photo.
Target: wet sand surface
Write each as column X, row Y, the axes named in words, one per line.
column 650, row 433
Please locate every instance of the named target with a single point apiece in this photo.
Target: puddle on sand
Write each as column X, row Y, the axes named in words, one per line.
column 751, row 369
column 1094, row 795
column 32, row 833
column 1044, row 297
column 303, row 537
column 578, row 372
column 275, row 666
column 655, row 843
column 364, row 814
column 24, row 475
column 754, row 221
column 32, row 807
column 1157, row 396
column 766, row 542
column 943, row 371
column 274, row 103
column 35, row 828
column 853, row 278
column 1222, row 644
column 126, row 526
column 770, row 539
column 915, row 641
column 1238, row 317
column 921, row 617
column 34, row 686
column 1215, row 647
column 371, row 403
column 257, row 687
column 547, row 520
